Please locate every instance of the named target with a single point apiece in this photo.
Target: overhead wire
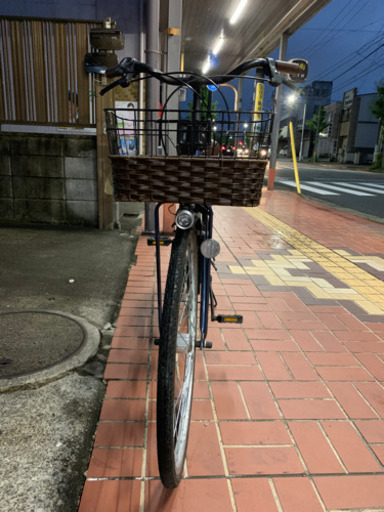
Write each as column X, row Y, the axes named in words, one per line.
column 321, row 35
column 347, row 59
column 334, row 28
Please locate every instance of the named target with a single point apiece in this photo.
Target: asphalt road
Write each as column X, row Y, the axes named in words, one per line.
column 354, row 189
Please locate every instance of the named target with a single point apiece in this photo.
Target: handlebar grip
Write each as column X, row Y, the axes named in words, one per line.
column 288, row 67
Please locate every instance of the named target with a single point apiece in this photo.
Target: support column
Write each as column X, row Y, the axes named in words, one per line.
column 276, row 121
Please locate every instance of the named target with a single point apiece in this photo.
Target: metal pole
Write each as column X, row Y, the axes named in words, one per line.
column 152, row 96
column 276, row 121
column 302, row 133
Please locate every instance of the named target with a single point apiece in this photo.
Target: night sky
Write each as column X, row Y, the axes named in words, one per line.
column 344, row 43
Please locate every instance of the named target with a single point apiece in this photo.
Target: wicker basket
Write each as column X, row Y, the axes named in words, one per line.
column 210, row 166
column 215, row 181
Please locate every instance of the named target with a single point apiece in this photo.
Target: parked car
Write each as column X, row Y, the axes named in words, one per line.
column 283, row 152
column 227, row 150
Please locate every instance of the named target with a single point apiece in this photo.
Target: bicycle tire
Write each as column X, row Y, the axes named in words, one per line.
column 177, row 358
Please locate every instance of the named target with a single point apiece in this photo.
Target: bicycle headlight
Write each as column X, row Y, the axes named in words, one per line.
column 185, row 219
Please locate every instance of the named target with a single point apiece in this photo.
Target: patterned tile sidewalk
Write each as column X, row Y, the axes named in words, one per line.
column 289, row 406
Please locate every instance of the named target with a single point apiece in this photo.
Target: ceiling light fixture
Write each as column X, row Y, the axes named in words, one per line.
column 239, row 9
column 207, row 66
column 218, row 44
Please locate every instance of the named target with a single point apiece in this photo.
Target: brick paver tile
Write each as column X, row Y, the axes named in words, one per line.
column 297, row 495
column 254, row 433
column 116, row 495
column 378, row 449
column 357, row 336
column 200, row 390
column 311, row 409
column 259, row 400
column 228, row 401
column 350, row 400
column 365, row 346
column 115, row 463
column 299, row 390
column 127, row 342
column 374, row 394
column 315, row 449
column 270, row 320
column 352, row 450
column 119, row 434
column 128, row 356
column 143, row 331
column 229, row 372
column 273, row 366
column 373, row 364
column 204, row 455
column 328, row 341
column 126, row 389
column 270, row 334
column 125, row 371
column 236, row 340
column 263, row 460
column 301, row 320
column 195, row 495
column 123, row 410
column 373, row 431
column 230, row 357
column 201, row 410
column 253, row 495
column 298, row 365
column 351, row 492
column 306, row 341
column 332, row 359
column 351, row 322
column 343, row 373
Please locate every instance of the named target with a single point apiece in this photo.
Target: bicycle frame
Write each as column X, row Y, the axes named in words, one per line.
column 204, row 274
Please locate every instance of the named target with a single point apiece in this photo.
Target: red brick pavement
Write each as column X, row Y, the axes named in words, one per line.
column 288, row 407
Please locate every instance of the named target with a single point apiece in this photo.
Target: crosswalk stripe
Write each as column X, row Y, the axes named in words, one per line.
column 308, row 187
column 366, row 187
column 341, row 189
column 375, row 185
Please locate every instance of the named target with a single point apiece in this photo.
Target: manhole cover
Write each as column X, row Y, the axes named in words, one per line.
column 31, row 341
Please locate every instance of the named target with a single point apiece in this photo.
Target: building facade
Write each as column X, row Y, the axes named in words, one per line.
column 359, row 128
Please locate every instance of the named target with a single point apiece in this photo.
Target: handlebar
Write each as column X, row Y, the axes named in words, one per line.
column 129, row 69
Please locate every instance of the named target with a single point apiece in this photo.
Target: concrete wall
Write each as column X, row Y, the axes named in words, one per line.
column 48, row 179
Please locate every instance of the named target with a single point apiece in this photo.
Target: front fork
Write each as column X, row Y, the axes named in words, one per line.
column 204, row 268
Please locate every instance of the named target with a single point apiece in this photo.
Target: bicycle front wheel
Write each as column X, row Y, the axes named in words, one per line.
column 177, row 358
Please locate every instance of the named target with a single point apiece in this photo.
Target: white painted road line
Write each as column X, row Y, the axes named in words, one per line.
column 341, row 189
column 366, row 188
column 307, row 187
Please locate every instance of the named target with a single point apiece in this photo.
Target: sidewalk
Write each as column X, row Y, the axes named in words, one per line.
column 288, row 407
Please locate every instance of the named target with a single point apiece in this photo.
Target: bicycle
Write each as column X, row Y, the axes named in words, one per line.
column 199, row 174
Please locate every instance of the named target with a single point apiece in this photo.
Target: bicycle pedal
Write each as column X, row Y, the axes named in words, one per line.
column 163, row 240
column 206, row 344
column 229, row 319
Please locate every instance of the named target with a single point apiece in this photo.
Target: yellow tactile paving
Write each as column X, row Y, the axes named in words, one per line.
column 361, row 287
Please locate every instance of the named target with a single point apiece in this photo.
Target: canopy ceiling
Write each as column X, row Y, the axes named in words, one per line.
column 256, row 33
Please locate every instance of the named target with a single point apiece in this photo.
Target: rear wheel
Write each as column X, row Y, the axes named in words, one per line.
column 177, row 358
